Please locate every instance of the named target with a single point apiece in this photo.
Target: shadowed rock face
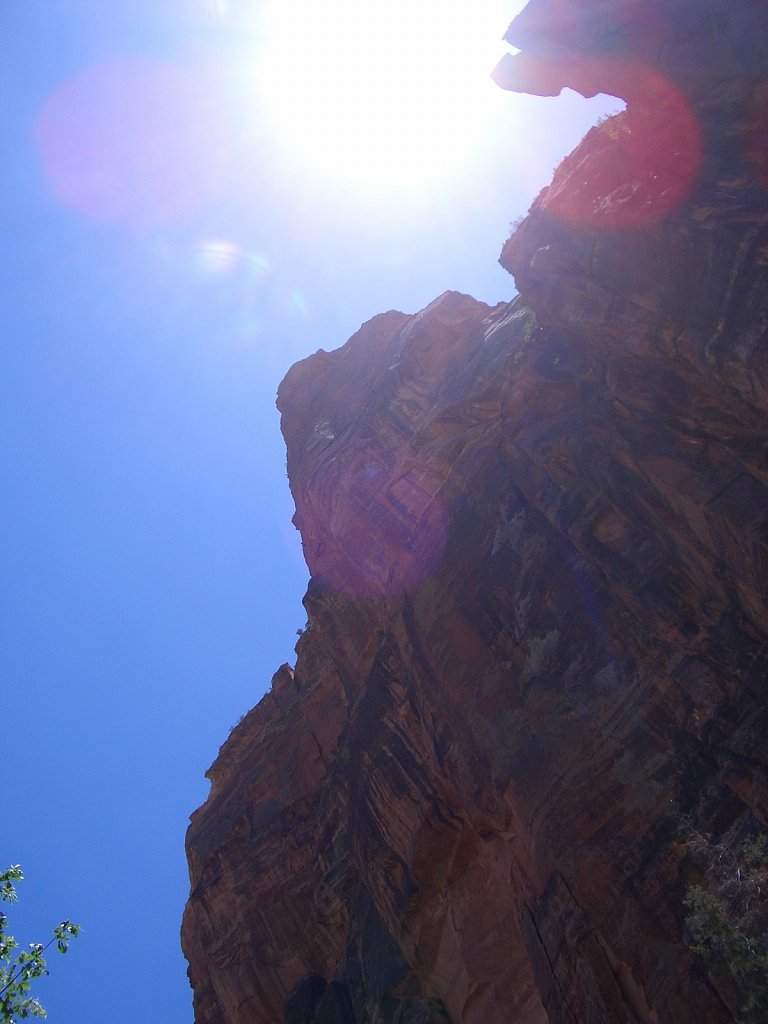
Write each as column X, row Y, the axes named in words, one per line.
column 710, row 51
column 537, row 626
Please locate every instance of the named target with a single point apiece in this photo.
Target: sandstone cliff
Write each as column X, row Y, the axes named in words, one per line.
column 537, row 626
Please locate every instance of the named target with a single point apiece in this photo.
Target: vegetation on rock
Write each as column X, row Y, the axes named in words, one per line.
column 728, row 917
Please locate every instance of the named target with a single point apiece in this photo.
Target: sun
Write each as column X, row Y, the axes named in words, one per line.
column 380, row 94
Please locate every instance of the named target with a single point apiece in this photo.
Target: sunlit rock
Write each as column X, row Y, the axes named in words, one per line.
column 537, row 635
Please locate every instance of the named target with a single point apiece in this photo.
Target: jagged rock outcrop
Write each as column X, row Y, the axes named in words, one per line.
column 537, row 631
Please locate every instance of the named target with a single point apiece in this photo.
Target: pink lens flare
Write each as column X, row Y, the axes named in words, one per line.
column 134, row 142
column 373, row 526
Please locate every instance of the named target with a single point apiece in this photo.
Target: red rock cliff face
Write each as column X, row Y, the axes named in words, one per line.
column 537, row 627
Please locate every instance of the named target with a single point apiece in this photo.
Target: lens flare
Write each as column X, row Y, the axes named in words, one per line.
column 380, row 95
column 299, row 302
column 219, row 257
column 647, row 157
column 258, row 266
column 136, row 143
column 375, row 525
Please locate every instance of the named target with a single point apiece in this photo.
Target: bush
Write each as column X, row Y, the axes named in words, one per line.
column 728, row 918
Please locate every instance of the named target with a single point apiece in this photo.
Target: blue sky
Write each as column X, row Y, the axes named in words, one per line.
column 152, row 581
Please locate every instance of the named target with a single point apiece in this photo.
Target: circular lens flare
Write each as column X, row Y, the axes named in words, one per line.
column 133, row 142
column 374, row 526
column 637, row 166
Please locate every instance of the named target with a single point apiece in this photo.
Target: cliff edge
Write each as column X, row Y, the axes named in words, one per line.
column 537, row 629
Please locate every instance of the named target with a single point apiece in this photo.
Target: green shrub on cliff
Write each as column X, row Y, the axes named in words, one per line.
column 19, row 968
column 728, row 918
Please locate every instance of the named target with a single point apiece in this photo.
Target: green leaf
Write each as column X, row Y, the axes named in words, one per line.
column 17, row 973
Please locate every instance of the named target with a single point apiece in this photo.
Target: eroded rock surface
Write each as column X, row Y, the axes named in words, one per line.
column 537, row 628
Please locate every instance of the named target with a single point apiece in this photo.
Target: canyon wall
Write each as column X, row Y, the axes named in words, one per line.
column 537, row 632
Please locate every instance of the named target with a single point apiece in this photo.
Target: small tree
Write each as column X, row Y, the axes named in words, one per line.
column 728, row 919
column 19, row 969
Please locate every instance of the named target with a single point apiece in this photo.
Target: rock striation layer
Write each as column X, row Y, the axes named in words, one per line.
column 537, row 629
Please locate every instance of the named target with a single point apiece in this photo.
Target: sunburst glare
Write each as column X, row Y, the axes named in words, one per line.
column 381, row 95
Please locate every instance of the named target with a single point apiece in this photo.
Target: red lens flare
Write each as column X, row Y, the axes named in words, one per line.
column 639, row 165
